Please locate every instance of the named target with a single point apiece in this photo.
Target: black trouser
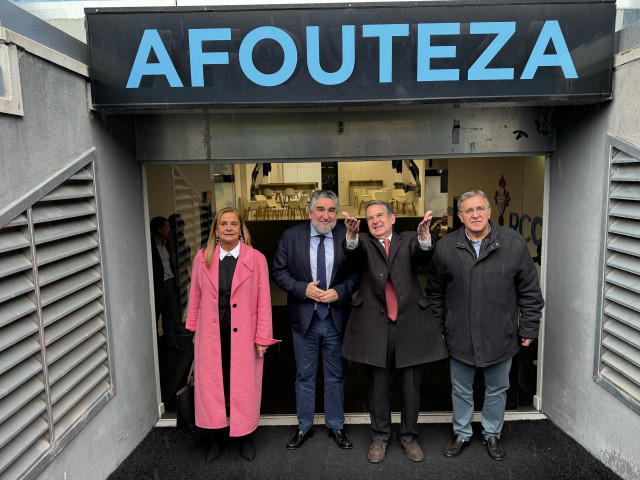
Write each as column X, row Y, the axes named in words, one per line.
column 167, row 306
column 379, row 395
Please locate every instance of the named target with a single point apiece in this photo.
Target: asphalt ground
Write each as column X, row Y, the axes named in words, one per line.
column 536, row 449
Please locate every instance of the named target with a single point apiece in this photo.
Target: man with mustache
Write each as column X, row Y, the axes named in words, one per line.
column 311, row 267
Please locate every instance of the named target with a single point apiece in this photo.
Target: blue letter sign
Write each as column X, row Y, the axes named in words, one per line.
column 550, row 33
column 479, row 70
column 151, row 40
column 246, row 56
column 386, row 33
column 359, row 54
column 198, row 58
column 426, row 52
column 348, row 56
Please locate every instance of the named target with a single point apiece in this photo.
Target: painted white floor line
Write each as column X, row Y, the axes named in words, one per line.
column 363, row 418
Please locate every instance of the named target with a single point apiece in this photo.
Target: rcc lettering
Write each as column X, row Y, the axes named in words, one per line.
column 517, row 223
column 479, row 70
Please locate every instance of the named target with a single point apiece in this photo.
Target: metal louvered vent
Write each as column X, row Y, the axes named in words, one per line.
column 618, row 342
column 186, row 204
column 54, row 365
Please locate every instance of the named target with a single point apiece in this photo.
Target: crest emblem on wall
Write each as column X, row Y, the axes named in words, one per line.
column 502, row 199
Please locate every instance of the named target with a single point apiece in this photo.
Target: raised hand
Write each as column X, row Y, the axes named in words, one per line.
column 423, row 228
column 353, row 226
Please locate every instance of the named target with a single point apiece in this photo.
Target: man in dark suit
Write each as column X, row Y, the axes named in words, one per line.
column 164, row 282
column 389, row 327
column 311, row 267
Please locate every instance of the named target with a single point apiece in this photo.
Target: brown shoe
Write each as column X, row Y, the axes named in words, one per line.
column 413, row 451
column 376, row 452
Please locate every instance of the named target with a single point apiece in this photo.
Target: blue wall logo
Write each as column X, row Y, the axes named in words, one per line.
column 532, row 227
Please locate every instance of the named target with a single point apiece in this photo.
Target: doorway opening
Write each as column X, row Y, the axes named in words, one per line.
column 274, row 196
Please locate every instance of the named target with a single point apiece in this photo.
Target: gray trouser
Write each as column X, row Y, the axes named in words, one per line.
column 496, row 380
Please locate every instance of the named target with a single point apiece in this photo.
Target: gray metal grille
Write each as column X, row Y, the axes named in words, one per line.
column 618, row 342
column 54, row 363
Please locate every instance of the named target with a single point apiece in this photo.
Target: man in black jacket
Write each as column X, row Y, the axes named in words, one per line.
column 481, row 275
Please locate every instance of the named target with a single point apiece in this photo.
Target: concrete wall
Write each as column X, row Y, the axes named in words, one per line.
column 57, row 127
column 571, row 398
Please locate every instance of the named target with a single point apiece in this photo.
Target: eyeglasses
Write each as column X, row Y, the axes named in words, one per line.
column 478, row 210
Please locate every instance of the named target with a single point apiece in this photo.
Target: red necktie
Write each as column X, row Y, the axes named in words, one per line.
column 390, row 292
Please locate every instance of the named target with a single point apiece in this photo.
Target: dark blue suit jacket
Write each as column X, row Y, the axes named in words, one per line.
column 292, row 273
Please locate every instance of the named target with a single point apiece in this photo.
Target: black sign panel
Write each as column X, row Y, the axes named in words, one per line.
column 347, row 55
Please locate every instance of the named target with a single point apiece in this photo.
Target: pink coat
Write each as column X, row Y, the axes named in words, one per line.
column 250, row 325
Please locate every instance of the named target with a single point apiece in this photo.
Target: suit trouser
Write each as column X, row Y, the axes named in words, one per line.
column 409, row 379
column 322, row 335
column 496, row 380
column 169, row 308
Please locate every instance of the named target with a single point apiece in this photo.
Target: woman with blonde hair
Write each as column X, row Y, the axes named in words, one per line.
column 230, row 313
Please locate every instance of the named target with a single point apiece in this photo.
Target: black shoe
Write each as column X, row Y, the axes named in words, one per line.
column 298, row 439
column 341, row 438
column 247, row 448
column 494, row 448
column 219, row 440
column 214, row 452
column 455, row 446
